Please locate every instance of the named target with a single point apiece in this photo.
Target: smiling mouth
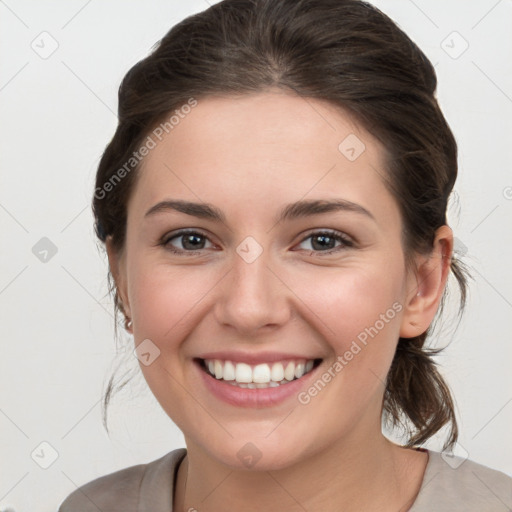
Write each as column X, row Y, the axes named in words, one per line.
column 260, row 376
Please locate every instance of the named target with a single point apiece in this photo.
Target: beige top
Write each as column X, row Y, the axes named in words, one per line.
column 454, row 485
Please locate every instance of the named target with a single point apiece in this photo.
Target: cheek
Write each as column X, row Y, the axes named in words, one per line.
column 358, row 311
column 167, row 302
column 164, row 298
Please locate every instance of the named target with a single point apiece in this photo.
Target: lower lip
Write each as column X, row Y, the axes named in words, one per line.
column 256, row 398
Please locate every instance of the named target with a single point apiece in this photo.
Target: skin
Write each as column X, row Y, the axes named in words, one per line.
column 274, row 148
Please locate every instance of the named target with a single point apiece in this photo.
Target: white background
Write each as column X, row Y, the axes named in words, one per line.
column 58, row 349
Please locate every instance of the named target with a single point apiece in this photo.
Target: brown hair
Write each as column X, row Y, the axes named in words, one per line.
column 346, row 52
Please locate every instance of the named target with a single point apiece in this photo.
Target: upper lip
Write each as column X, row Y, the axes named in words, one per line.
column 254, row 358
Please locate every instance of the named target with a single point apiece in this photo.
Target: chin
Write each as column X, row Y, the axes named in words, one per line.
column 259, row 454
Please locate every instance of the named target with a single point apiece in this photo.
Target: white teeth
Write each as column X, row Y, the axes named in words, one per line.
column 218, row 369
column 243, row 373
column 289, row 372
column 229, row 371
column 261, row 373
column 259, row 376
column 277, row 372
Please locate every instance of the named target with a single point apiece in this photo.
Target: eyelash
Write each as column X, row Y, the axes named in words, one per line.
column 336, row 235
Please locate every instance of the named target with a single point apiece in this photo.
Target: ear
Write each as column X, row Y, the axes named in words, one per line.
column 426, row 285
column 118, row 270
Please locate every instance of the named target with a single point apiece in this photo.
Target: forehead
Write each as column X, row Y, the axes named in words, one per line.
column 268, row 148
column 277, row 122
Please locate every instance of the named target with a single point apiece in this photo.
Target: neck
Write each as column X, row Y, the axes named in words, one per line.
column 372, row 474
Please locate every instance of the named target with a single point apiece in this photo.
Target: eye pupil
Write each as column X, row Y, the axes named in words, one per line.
column 193, row 240
column 325, row 240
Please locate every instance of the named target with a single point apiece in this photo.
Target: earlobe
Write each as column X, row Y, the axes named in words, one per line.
column 426, row 287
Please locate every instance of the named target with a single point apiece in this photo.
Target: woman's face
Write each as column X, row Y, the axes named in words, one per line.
column 270, row 286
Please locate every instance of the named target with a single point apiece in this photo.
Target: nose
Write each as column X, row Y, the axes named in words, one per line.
column 253, row 296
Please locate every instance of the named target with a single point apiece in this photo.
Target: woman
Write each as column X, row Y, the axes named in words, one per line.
column 273, row 205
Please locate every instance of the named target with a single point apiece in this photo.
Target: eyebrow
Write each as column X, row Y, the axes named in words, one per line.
column 290, row 211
